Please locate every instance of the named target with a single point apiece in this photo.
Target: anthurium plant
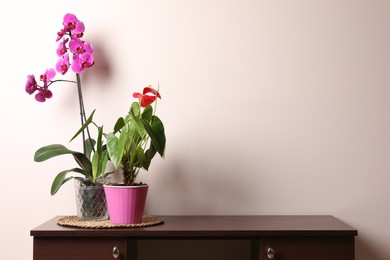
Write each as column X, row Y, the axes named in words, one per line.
column 76, row 54
column 137, row 137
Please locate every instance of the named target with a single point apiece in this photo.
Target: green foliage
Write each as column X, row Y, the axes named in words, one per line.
column 132, row 145
column 91, row 169
column 126, row 145
column 60, row 179
column 84, row 126
column 115, row 147
column 50, row 151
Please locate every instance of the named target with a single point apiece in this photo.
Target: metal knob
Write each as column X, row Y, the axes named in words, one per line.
column 270, row 253
column 115, row 252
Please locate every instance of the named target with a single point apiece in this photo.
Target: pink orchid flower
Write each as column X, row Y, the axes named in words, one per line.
column 43, row 94
column 47, row 76
column 82, row 62
column 63, row 64
column 61, row 49
column 81, row 55
column 60, row 34
column 148, row 97
column 77, row 46
column 31, row 84
column 72, row 24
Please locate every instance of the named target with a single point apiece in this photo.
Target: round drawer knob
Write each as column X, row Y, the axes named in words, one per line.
column 115, row 252
column 270, row 253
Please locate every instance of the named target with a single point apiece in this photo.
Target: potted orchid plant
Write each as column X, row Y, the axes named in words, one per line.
column 136, row 139
column 76, row 54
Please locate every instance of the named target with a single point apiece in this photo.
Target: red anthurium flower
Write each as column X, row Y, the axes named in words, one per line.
column 151, row 90
column 148, row 97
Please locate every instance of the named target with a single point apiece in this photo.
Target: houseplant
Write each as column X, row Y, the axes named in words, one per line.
column 136, row 139
column 75, row 54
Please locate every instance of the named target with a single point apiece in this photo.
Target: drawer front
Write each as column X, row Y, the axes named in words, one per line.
column 307, row 248
column 77, row 248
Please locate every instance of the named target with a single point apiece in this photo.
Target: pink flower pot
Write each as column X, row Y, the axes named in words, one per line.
column 126, row 203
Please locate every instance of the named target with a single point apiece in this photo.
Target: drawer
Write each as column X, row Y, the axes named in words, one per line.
column 80, row 248
column 307, row 248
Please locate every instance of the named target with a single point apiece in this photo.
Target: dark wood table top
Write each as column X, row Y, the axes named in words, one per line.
column 212, row 227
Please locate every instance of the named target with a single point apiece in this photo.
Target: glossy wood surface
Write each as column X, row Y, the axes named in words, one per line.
column 214, row 226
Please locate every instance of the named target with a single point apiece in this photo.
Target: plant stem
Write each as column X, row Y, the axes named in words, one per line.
column 62, row 80
column 82, row 114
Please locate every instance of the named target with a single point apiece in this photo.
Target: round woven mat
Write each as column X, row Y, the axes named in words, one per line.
column 73, row 221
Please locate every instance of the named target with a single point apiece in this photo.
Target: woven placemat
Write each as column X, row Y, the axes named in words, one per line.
column 73, row 221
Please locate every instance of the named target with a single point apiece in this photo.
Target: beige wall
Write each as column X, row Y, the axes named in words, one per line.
column 270, row 107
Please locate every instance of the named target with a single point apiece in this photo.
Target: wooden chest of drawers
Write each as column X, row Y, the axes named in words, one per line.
column 269, row 237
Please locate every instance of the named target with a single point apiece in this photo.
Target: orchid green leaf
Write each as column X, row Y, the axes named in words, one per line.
column 103, row 166
column 95, row 166
column 60, row 179
column 50, row 151
column 99, row 140
column 85, row 125
column 83, row 162
column 89, row 145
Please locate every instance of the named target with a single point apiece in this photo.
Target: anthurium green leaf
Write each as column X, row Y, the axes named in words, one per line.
column 112, row 148
column 147, row 113
column 85, row 125
column 135, row 109
column 139, row 157
column 156, row 132
column 115, row 146
column 136, row 123
column 159, row 133
column 60, row 179
column 149, row 154
column 122, row 140
column 119, row 124
column 50, row 151
column 89, row 145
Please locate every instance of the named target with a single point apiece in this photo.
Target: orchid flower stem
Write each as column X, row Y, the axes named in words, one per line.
column 63, row 80
column 82, row 114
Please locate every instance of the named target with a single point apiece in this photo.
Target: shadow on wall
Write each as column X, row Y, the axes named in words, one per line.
column 208, row 190
column 100, row 72
column 365, row 249
column 102, row 69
